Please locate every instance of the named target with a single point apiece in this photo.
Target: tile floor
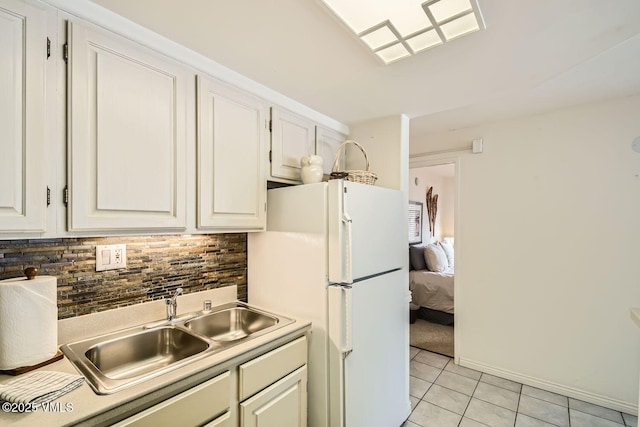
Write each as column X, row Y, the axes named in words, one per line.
column 444, row 394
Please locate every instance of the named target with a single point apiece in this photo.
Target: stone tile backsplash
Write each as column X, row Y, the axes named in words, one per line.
column 156, row 265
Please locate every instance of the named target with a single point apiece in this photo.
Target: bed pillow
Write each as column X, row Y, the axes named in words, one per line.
column 448, row 251
column 410, row 262
column 435, row 258
column 416, row 257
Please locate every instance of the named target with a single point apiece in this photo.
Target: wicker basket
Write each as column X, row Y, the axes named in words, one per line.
column 361, row 176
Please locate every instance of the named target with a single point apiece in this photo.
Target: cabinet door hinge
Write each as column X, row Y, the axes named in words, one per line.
column 48, row 48
column 270, row 125
column 65, row 196
column 65, row 52
column 270, row 156
column 48, row 196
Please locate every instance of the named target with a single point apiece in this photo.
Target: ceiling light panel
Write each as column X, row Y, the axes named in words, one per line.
column 380, row 37
column 460, row 26
column 415, row 24
column 445, row 9
column 424, row 41
column 393, row 53
column 360, row 15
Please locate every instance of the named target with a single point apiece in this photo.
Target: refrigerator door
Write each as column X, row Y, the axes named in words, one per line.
column 369, row 352
column 367, row 230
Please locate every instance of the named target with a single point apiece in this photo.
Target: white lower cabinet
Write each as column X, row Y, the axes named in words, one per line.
column 272, row 388
column 197, row 406
column 269, row 390
column 283, row 404
column 223, row 420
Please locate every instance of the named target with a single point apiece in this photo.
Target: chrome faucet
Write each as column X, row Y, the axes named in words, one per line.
column 172, row 304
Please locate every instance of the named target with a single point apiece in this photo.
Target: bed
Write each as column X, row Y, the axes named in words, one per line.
column 431, row 283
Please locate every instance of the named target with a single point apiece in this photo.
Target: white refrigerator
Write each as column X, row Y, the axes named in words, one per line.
column 336, row 253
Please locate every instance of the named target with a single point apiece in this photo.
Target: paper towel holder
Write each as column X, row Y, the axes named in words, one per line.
column 31, row 272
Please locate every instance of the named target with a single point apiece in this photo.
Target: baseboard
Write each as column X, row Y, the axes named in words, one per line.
column 607, row 402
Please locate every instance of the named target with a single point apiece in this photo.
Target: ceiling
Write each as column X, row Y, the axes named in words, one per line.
column 534, row 56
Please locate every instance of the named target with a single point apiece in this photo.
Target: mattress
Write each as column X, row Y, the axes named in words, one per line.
column 432, row 290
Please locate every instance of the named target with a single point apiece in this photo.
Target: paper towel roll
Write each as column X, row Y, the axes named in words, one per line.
column 28, row 321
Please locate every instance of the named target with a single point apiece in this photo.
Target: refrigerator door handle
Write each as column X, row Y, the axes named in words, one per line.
column 340, row 318
column 346, row 220
column 347, row 346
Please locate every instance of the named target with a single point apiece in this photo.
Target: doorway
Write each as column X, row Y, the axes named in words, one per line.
column 433, row 184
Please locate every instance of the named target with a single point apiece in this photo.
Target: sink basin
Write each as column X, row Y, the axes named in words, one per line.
column 144, row 352
column 231, row 324
column 114, row 361
column 124, row 358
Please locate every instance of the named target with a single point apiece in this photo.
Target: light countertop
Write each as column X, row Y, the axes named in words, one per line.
column 83, row 406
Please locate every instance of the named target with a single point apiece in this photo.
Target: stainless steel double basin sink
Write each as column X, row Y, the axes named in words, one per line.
column 120, row 359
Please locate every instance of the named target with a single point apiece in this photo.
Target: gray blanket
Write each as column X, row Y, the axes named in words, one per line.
column 432, row 290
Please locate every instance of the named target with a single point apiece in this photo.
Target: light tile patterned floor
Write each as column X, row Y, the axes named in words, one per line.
column 447, row 395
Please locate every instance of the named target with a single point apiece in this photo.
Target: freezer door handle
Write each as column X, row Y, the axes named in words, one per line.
column 346, row 221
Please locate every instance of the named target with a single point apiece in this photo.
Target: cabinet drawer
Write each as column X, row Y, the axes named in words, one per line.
column 223, row 420
column 270, row 367
column 195, row 406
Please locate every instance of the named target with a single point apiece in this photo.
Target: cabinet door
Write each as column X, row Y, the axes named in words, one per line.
column 126, row 140
column 232, row 136
column 283, row 404
column 23, row 191
column 292, row 137
column 327, row 143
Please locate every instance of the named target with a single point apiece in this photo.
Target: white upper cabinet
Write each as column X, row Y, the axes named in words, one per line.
column 126, row 135
column 23, row 190
column 327, row 143
column 133, row 140
column 292, row 137
column 232, row 142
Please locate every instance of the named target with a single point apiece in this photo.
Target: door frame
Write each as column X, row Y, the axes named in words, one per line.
column 439, row 159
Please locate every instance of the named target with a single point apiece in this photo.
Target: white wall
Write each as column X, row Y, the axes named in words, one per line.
column 386, row 141
column 441, row 179
column 547, row 250
column 447, row 200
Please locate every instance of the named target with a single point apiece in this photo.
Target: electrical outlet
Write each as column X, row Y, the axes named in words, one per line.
column 111, row 257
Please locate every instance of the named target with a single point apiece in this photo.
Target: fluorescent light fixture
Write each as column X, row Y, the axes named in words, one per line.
column 424, row 41
column 396, row 29
column 393, row 53
column 459, row 27
column 380, row 37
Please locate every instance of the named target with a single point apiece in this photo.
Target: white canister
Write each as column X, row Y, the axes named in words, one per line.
column 311, row 171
